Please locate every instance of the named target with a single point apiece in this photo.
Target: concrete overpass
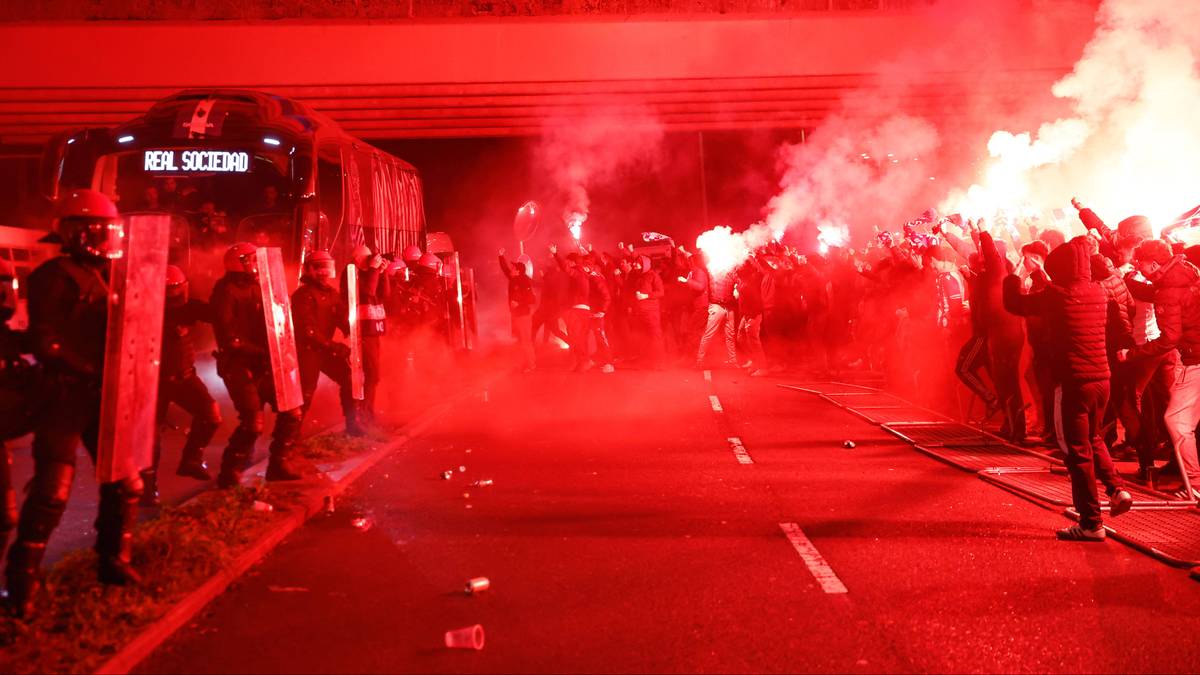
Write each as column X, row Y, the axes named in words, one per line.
column 504, row 77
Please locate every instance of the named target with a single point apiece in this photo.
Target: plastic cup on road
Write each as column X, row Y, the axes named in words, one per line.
column 465, row 638
column 477, row 585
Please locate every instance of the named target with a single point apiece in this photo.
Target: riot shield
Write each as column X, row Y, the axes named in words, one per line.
column 357, row 383
column 281, row 338
column 472, row 328
column 133, row 349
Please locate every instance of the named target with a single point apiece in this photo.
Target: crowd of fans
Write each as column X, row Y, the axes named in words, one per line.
column 1080, row 345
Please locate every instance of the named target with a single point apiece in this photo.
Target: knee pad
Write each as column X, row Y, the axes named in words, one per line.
column 252, row 422
column 51, row 483
column 131, row 487
column 9, row 513
column 211, row 415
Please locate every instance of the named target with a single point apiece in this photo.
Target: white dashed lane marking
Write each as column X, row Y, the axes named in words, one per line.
column 739, row 451
column 716, row 404
column 821, row 571
column 708, row 376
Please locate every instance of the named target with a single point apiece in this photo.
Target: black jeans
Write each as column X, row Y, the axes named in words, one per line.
column 1087, row 457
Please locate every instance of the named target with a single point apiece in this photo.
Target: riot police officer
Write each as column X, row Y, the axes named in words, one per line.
column 178, row 383
column 68, row 318
column 244, row 363
column 372, row 288
column 317, row 313
column 17, row 381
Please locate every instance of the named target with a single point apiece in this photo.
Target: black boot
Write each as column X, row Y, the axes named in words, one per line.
column 287, row 428
column 236, row 457
column 192, row 465
column 149, row 497
column 232, row 463
column 353, row 428
column 280, row 469
column 24, row 576
column 114, row 533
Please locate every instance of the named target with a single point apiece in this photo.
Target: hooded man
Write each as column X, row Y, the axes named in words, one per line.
column 1079, row 316
column 1175, row 287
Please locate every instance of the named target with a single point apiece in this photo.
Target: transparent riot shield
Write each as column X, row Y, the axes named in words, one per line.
column 133, row 349
column 357, row 383
column 281, row 338
column 472, row 327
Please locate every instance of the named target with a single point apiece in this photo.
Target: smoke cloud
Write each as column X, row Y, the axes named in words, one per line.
column 608, row 144
column 1129, row 143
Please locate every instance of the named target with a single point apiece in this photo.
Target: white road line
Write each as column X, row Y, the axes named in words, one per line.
column 708, row 376
column 821, row 571
column 739, row 451
column 716, row 404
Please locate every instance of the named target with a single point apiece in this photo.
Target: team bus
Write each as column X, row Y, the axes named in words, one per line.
column 235, row 165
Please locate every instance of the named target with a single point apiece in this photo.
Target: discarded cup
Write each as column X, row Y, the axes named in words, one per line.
column 465, row 638
column 849, row 445
column 361, row 524
column 466, row 495
column 263, row 506
column 328, row 507
column 482, row 483
column 477, row 585
column 447, row 474
column 462, row 469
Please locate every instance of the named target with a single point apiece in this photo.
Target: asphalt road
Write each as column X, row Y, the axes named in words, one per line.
column 623, row 534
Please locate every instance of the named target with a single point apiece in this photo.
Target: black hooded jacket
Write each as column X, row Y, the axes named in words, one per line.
column 1077, row 311
column 1176, row 297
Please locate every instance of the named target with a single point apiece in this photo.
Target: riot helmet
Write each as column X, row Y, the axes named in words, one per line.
column 90, row 226
column 412, row 255
column 177, row 287
column 320, row 265
column 241, row 257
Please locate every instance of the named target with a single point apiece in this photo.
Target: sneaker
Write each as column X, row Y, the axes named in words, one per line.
column 1077, row 533
column 747, row 365
column 759, row 373
column 1183, row 494
column 1120, row 502
column 607, row 368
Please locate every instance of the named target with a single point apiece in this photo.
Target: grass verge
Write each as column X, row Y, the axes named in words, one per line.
column 81, row 623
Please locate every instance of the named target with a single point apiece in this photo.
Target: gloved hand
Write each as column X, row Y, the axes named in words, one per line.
column 339, row 351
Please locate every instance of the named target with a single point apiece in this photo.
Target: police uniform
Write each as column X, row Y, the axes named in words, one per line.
column 318, row 313
column 244, row 363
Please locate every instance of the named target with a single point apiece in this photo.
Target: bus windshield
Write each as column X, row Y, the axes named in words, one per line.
column 224, row 196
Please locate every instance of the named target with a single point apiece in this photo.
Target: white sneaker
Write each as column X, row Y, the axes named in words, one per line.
column 1077, row 533
column 607, row 368
column 759, row 373
column 1182, row 494
column 1119, row 503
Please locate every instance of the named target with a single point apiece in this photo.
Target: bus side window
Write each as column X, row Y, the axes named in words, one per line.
column 329, row 193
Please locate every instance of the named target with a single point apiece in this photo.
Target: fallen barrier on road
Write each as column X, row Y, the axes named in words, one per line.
column 1159, row 524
